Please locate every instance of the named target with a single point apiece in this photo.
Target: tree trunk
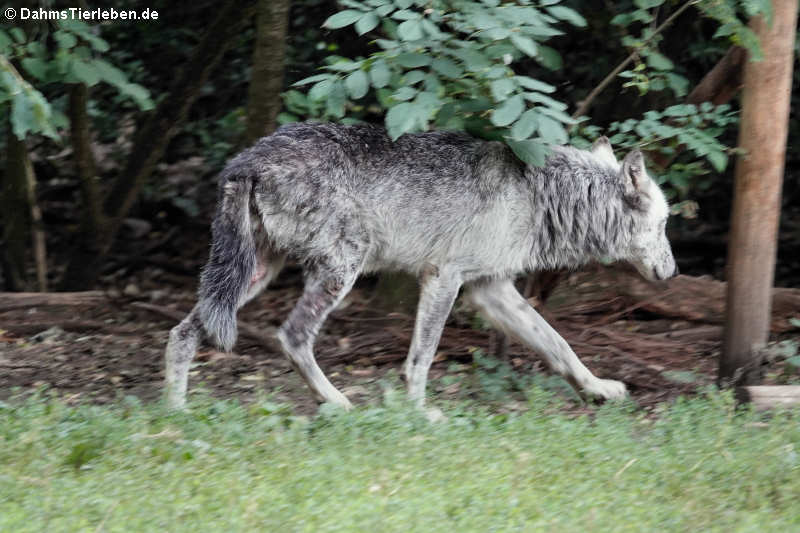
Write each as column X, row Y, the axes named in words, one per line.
column 84, row 159
column 150, row 142
column 756, row 199
column 37, row 225
column 266, row 79
column 15, row 212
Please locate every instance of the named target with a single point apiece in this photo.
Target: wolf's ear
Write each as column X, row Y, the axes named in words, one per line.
column 602, row 149
column 634, row 173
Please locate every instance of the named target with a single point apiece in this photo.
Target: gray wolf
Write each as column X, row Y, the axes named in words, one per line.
column 453, row 210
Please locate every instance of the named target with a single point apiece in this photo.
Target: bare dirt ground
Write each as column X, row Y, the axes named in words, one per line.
column 100, row 352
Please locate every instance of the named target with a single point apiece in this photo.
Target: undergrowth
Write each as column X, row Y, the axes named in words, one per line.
column 699, row 464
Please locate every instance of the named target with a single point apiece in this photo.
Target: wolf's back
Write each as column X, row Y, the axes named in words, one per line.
column 232, row 261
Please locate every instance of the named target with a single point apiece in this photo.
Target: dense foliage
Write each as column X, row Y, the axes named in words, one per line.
column 481, row 66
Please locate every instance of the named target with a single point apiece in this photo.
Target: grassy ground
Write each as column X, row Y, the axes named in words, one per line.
column 699, row 465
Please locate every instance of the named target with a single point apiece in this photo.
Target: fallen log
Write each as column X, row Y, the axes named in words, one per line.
column 22, row 300
column 697, row 299
column 769, row 396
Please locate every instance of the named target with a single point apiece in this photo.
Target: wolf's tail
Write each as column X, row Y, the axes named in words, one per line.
column 232, row 262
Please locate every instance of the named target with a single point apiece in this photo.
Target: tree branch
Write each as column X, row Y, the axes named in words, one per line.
column 586, row 103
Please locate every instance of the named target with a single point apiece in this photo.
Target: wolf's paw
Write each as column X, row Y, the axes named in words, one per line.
column 607, row 389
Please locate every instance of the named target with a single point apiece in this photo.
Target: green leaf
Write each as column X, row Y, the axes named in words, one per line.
column 447, row 67
column 341, row 64
column 400, row 119
column 534, row 85
column 65, row 39
column 558, row 115
column 320, row 90
column 109, row 73
column 648, row 4
column 552, row 130
column 568, row 15
column 342, row 19
column 36, row 67
column 678, row 84
column 502, row 88
column 367, row 23
column 530, row 151
column 413, row 77
column 406, row 14
column 473, row 59
column 719, row 160
column 312, row 79
column 496, row 34
column 138, row 94
column 84, row 72
column 404, row 93
column 509, row 111
column 30, row 111
column 482, row 20
column 380, row 74
column 433, row 30
column 623, row 19
column 336, row 99
column 525, row 44
column 17, row 34
column 549, row 58
column 22, row 117
column 410, row 30
column 659, row 61
column 357, row 84
column 5, row 41
column 526, row 125
column 413, row 60
column 96, row 42
column 545, row 100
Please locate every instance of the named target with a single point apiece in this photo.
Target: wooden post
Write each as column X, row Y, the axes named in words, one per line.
column 757, row 193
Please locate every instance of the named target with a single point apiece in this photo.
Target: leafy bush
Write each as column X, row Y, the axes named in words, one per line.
column 69, row 54
column 450, row 65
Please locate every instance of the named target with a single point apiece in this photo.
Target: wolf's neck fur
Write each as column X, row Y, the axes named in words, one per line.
column 578, row 212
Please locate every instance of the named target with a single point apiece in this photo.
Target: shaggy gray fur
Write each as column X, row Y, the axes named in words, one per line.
column 451, row 209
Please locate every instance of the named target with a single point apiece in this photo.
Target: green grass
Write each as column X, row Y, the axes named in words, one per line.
column 698, row 466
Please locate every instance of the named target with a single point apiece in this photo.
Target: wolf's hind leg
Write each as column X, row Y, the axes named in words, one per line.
column 181, row 349
column 323, row 292
column 186, row 336
column 438, row 291
column 506, row 308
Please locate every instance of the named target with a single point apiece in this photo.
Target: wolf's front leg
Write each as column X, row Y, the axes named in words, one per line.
column 181, row 349
column 506, row 308
column 438, row 291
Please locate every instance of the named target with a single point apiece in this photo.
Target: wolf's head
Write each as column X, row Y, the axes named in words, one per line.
column 648, row 250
